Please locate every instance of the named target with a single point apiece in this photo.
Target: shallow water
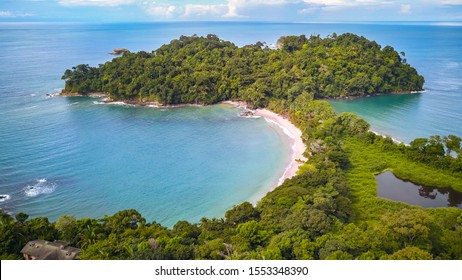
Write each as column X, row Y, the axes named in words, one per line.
column 87, row 159
column 436, row 54
column 72, row 156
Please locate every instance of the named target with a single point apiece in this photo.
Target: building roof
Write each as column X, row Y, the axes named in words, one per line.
column 46, row 250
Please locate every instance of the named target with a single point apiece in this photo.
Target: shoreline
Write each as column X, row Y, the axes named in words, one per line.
column 354, row 97
column 105, row 99
column 293, row 133
column 396, row 141
column 298, row 147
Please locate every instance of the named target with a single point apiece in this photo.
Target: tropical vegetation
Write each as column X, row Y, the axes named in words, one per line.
column 206, row 70
column 330, row 210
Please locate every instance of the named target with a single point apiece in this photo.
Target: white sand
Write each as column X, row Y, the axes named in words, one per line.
column 295, row 135
column 289, row 129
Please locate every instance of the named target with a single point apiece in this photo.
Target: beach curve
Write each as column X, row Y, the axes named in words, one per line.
column 298, row 147
column 295, row 134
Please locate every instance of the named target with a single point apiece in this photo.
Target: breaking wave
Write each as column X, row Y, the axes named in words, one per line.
column 41, row 186
column 4, row 197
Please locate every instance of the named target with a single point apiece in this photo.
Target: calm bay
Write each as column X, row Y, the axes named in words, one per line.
column 75, row 156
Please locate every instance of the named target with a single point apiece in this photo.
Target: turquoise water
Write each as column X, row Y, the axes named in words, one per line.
column 72, row 156
column 436, row 52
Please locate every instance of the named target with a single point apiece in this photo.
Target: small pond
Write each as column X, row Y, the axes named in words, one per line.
column 392, row 188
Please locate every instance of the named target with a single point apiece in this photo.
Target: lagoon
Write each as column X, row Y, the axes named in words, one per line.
column 393, row 188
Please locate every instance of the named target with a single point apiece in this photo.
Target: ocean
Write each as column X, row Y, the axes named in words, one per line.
column 75, row 156
column 435, row 51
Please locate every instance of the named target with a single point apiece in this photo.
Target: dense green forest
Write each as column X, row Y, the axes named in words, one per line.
column 206, row 70
column 328, row 211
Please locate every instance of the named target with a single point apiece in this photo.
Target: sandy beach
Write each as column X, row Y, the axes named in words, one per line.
column 289, row 129
column 295, row 135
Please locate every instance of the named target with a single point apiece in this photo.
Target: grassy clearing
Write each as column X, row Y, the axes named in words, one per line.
column 368, row 160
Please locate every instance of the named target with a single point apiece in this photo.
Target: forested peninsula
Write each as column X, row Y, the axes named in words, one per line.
column 206, row 70
column 329, row 210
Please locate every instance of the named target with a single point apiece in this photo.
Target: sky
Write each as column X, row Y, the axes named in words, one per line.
column 229, row 10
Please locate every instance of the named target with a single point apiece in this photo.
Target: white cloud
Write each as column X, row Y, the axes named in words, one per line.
column 284, row 9
column 348, row 3
column 9, row 14
column 95, row 2
column 235, row 5
column 406, row 8
column 310, row 10
column 311, row 6
column 329, row 2
column 4, row 14
column 194, row 10
column 163, row 11
column 452, row 2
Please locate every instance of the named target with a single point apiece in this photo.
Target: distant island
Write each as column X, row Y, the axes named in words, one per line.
column 329, row 210
column 207, row 70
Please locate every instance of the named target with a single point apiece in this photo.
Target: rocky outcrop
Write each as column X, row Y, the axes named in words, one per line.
column 246, row 114
column 119, row 51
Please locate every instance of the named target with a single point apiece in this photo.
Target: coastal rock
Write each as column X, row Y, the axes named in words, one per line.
column 91, row 94
column 246, row 114
column 119, row 51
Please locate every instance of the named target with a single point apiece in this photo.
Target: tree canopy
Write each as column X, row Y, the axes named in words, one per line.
column 206, row 70
column 329, row 210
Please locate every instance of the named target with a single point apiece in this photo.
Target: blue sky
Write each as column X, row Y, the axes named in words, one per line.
column 230, row 10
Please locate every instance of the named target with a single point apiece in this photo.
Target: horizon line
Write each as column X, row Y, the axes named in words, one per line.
column 236, row 21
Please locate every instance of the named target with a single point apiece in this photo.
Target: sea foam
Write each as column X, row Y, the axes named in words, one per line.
column 4, row 197
column 285, row 130
column 42, row 186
